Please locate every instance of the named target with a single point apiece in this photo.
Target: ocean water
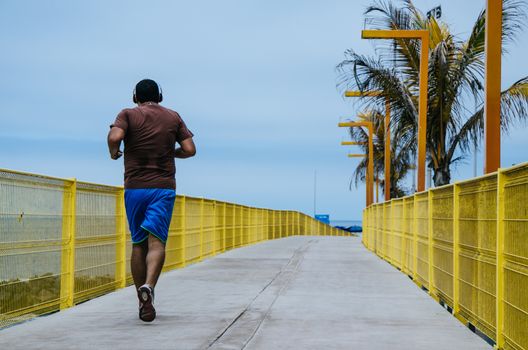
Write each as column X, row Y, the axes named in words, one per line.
column 345, row 223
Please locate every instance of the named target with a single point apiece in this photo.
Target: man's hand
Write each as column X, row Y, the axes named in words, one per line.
column 187, row 149
column 115, row 136
column 117, row 155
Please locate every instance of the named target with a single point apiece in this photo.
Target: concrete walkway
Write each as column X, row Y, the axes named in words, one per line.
column 293, row 293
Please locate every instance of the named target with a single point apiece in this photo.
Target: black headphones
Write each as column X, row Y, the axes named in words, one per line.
column 160, row 97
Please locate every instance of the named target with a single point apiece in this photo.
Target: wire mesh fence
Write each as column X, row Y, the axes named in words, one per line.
column 467, row 244
column 64, row 241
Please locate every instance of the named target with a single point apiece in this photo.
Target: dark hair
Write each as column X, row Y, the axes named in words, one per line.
column 147, row 90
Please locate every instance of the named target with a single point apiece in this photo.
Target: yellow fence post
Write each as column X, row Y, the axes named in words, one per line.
column 501, row 182
column 365, row 228
column 215, row 228
column 201, row 228
column 383, row 232
column 276, row 231
column 272, row 215
column 68, row 244
column 371, row 214
column 120, row 268
column 403, row 246
column 456, row 249
column 258, row 225
column 251, row 226
column 370, row 237
column 261, row 225
column 283, row 227
column 291, row 225
column 183, row 230
column 301, row 224
column 278, row 223
column 430, row 242
column 390, row 234
column 287, row 224
column 298, row 223
column 282, row 224
column 268, row 231
column 415, row 239
column 273, row 229
column 375, row 227
column 271, row 223
column 235, row 227
column 242, row 226
column 366, row 234
column 265, row 217
column 224, row 228
column 238, row 230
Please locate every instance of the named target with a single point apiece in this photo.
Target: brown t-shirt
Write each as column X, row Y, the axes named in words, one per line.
column 151, row 133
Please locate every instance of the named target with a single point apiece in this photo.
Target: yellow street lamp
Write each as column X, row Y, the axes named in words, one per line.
column 387, row 155
column 370, row 158
column 423, row 36
column 492, row 89
column 352, row 143
column 492, row 136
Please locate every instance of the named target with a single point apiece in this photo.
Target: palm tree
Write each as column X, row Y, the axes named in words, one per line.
column 400, row 160
column 455, row 117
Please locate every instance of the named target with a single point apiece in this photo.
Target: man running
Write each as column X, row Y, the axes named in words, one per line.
column 150, row 133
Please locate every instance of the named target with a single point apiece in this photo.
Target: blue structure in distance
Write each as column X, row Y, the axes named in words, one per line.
column 324, row 218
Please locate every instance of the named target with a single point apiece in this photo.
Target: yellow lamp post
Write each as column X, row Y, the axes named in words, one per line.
column 370, row 157
column 387, row 155
column 423, row 36
column 352, row 143
column 492, row 89
column 492, row 136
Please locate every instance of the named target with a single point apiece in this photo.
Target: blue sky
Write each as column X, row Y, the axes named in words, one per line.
column 254, row 80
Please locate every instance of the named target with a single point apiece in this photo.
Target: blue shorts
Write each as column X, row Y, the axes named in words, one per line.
column 149, row 211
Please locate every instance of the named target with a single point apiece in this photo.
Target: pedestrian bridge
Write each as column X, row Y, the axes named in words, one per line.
column 302, row 292
column 238, row 277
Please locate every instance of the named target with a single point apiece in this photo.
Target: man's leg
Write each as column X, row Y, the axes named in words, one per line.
column 138, row 263
column 154, row 259
column 156, row 223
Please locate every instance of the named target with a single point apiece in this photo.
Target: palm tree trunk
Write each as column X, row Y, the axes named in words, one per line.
column 442, row 175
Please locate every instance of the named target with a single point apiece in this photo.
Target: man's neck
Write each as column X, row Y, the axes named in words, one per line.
column 148, row 103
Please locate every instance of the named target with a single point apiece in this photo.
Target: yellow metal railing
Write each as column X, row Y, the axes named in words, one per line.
column 64, row 241
column 467, row 244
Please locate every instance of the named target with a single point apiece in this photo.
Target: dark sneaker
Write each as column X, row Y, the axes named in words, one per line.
column 147, row 313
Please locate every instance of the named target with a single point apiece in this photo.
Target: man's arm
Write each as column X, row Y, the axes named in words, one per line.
column 115, row 136
column 187, row 149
